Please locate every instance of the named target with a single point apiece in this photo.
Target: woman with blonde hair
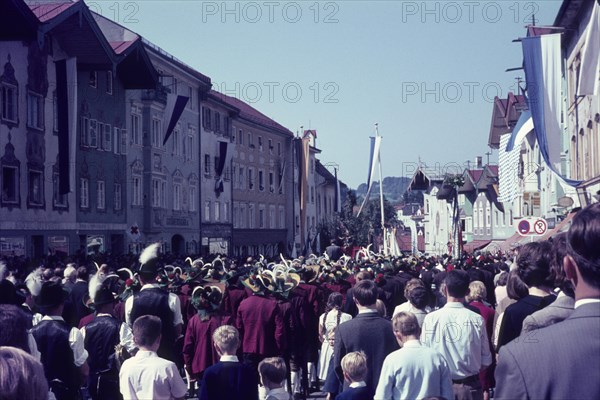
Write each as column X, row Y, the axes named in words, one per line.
column 21, row 376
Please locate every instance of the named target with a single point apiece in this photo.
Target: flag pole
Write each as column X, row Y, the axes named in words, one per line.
column 385, row 244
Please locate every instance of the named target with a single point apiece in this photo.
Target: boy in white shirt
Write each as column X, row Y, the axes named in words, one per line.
column 147, row 376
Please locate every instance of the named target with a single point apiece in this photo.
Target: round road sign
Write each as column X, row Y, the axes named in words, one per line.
column 524, row 227
column 540, row 226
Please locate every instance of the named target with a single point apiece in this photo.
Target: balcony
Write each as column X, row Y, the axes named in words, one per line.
column 158, row 95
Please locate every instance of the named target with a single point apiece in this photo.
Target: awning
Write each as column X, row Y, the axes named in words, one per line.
column 563, row 226
column 475, row 245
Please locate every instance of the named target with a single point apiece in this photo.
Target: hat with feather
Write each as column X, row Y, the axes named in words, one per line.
column 100, row 289
column 284, row 280
column 149, row 261
column 34, row 281
column 207, row 299
column 259, row 282
column 194, row 270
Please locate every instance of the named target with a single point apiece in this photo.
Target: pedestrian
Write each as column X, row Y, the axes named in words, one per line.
column 401, row 368
column 354, row 367
column 146, row 375
column 272, row 373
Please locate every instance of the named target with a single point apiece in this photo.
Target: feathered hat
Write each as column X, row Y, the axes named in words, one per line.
column 149, row 260
column 99, row 289
column 34, row 281
column 207, row 299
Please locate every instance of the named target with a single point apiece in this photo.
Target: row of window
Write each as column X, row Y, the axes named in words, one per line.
column 93, row 81
column 213, row 121
column 102, row 136
column 85, row 195
column 239, row 139
column 245, row 178
column 35, row 107
column 244, row 216
column 217, row 212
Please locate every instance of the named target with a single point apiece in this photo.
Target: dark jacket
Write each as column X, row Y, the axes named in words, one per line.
column 261, row 327
column 561, row 361
column 369, row 333
column 229, row 380
column 359, row 393
column 515, row 314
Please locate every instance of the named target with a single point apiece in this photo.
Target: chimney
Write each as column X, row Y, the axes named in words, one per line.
column 479, row 162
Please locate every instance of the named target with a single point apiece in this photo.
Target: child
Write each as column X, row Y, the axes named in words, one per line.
column 354, row 366
column 228, row 379
column 147, row 376
column 272, row 375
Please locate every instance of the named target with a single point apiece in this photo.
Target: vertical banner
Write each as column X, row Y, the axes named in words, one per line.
column 62, row 112
column 220, row 166
column 589, row 74
column 543, row 74
column 338, row 197
column 374, row 160
column 175, row 106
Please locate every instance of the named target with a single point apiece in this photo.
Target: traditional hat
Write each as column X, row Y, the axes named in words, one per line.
column 52, row 294
column 99, row 289
column 195, row 268
column 207, row 299
column 149, row 260
column 283, row 280
column 34, row 281
column 258, row 282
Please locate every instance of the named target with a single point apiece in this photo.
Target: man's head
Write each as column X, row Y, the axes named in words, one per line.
column 354, row 366
column 365, row 293
column 582, row 263
column 82, row 273
column 226, row 340
column 533, row 264
column 406, row 327
column 146, row 332
column 70, row 272
column 457, row 283
column 272, row 372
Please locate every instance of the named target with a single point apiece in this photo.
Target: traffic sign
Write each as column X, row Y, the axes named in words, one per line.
column 532, row 227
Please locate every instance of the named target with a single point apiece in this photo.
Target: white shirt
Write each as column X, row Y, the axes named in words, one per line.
column 460, row 336
column 408, row 307
column 80, row 354
column 147, row 376
column 414, row 372
column 357, row 384
column 331, row 322
column 174, row 305
column 277, row 394
column 226, row 358
column 582, row 302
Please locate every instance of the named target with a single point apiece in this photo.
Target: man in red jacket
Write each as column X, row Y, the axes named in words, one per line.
column 260, row 323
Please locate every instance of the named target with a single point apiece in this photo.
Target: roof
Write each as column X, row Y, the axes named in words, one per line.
column 169, row 57
column 17, row 21
column 505, row 114
column 475, row 174
column 47, row 11
column 324, row 172
column 250, row 113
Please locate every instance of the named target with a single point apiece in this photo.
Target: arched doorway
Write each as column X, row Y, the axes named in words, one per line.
column 177, row 245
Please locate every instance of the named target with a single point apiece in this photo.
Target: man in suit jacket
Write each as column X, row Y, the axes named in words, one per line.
column 562, row 361
column 368, row 332
column 334, row 252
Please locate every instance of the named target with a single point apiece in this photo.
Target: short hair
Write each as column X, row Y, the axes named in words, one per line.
column 227, row 338
column 516, row 289
column 70, row 271
column 406, row 323
column 418, row 297
column 82, row 273
column 21, row 375
column 502, row 278
column 457, row 283
column 559, row 247
column 533, row 264
column 354, row 364
column 477, row 291
column 413, row 283
column 362, row 275
column 13, row 321
column 583, row 239
column 273, row 370
column 365, row 292
column 146, row 330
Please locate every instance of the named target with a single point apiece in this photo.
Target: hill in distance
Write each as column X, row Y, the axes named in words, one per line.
column 393, row 188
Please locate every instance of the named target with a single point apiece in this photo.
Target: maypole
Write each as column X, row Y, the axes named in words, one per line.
column 383, row 230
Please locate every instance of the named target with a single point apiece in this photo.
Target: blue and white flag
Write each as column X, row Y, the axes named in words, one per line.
column 543, row 74
column 374, row 159
column 508, row 169
column 589, row 72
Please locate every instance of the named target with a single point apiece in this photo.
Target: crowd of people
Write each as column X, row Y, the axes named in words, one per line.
column 521, row 325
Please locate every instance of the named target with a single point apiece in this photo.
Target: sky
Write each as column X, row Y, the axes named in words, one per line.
column 426, row 72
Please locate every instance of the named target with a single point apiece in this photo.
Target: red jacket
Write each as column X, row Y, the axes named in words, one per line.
column 198, row 350
column 260, row 322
